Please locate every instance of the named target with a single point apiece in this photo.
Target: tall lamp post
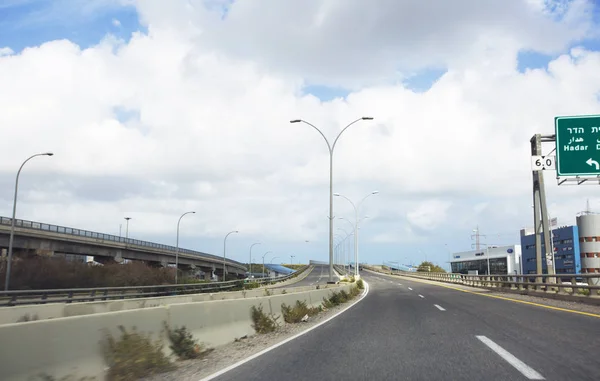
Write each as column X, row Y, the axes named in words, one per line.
column 356, row 208
column 225, row 251
column 177, row 247
column 12, row 221
column 127, row 231
column 264, row 262
column 250, row 263
column 127, row 228
column 331, row 148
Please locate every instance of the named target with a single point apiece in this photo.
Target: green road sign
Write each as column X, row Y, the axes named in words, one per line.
column 577, row 145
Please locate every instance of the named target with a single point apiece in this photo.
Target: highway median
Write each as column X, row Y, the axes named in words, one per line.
column 72, row 346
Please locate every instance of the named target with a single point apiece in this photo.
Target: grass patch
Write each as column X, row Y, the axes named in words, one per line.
column 296, row 313
column 262, row 322
column 183, row 344
column 133, row 356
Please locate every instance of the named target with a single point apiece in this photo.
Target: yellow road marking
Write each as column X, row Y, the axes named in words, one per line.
column 509, row 299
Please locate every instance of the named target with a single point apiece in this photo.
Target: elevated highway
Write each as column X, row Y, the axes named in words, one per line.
column 42, row 238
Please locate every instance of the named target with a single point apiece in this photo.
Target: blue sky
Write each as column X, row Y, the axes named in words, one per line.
column 26, row 23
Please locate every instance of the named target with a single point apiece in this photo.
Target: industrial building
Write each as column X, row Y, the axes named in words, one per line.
column 494, row 260
column 565, row 241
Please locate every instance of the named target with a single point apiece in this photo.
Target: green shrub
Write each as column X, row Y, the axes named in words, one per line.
column 251, row 285
column 134, row 356
column 261, row 322
column 360, row 284
column 296, row 313
column 183, row 344
column 340, row 297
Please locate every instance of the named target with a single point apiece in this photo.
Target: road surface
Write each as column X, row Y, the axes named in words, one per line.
column 408, row 330
column 318, row 275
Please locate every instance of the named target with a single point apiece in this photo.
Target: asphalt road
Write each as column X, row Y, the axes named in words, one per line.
column 318, row 275
column 407, row 330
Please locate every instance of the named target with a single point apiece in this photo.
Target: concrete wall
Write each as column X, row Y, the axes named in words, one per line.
column 72, row 346
column 58, row 310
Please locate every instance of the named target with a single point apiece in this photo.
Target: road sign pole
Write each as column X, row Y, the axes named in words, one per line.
column 540, row 211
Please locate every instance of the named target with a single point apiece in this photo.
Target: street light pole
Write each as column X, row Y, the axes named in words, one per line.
column 12, row 221
column 127, row 231
column 250, row 263
column 356, row 208
column 292, row 259
column 177, row 247
column 331, row 148
column 225, row 250
column 264, row 262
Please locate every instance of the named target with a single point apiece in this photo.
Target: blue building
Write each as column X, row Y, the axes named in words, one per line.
column 566, row 251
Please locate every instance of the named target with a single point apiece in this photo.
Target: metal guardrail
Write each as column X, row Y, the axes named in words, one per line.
column 24, row 297
column 584, row 285
column 108, row 238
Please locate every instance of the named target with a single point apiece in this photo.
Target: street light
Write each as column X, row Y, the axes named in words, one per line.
column 225, row 250
column 12, row 221
column 356, row 208
column 264, row 262
column 177, row 248
column 272, row 259
column 292, row 259
column 250, row 263
column 127, row 228
column 331, row 148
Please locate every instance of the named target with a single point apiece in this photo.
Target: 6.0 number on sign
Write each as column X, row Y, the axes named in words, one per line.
column 542, row 163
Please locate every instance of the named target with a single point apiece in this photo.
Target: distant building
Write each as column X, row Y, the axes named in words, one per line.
column 494, row 260
column 589, row 241
column 565, row 241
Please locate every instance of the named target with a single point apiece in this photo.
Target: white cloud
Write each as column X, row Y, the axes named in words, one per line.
column 116, row 23
column 209, row 122
column 6, row 51
column 352, row 42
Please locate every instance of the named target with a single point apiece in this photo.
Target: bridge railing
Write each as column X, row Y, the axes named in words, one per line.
column 107, row 237
column 72, row 295
column 580, row 285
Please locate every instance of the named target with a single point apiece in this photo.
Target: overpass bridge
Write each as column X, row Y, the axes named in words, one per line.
column 41, row 238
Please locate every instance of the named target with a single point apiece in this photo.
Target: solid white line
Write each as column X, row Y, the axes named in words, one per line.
column 242, row 362
column 410, row 288
column 512, row 360
column 440, row 308
column 421, row 296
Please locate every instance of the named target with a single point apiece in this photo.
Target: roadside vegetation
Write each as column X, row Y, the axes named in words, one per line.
column 297, row 313
column 430, row 267
column 183, row 344
column 38, row 272
column 263, row 322
column 133, row 356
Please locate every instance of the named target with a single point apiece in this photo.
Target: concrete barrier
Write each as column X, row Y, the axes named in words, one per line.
column 57, row 310
column 68, row 346
column 72, row 346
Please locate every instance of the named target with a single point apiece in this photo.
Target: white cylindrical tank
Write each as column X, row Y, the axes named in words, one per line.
column 589, row 242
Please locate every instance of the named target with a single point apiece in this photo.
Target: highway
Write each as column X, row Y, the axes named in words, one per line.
column 318, row 275
column 409, row 330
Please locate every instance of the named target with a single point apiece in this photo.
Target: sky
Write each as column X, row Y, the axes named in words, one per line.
column 156, row 108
